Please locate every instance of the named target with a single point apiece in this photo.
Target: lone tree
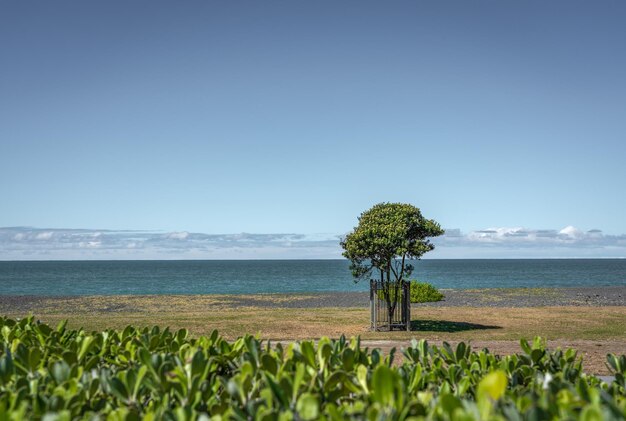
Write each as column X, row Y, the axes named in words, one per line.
column 389, row 236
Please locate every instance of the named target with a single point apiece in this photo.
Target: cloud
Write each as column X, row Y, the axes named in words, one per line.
column 178, row 235
column 18, row 243
column 46, row 235
column 517, row 241
column 571, row 232
column 23, row 243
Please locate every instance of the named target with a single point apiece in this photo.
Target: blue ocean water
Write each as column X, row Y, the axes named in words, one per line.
column 265, row 276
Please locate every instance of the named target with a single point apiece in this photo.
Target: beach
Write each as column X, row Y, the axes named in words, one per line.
column 485, row 297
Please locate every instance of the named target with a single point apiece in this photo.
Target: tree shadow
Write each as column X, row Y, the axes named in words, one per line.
column 447, row 326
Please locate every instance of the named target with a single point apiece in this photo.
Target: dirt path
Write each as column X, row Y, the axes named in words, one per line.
column 593, row 352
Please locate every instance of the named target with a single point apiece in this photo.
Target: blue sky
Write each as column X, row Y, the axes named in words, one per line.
column 215, row 117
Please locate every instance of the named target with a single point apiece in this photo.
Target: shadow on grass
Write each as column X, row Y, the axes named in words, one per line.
column 447, row 326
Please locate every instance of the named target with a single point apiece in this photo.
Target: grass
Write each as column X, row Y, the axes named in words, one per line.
column 202, row 314
column 595, row 331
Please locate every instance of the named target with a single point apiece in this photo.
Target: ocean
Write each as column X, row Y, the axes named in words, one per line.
column 288, row 276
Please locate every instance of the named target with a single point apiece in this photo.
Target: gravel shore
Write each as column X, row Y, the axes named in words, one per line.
column 493, row 297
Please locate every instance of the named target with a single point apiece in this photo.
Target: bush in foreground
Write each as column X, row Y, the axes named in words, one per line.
column 62, row 374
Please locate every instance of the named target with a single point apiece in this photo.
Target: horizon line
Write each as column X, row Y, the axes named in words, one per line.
column 304, row 259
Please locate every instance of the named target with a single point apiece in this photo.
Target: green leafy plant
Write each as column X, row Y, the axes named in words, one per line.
column 420, row 292
column 423, row 292
column 56, row 373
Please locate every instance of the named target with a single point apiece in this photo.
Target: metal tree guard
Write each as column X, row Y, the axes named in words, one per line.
column 384, row 316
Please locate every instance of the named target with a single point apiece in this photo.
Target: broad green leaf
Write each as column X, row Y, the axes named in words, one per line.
column 307, row 407
column 492, row 386
column 383, row 383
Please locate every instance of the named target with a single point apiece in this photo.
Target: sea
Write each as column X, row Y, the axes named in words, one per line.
column 142, row 277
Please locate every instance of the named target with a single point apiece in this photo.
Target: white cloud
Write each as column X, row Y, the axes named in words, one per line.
column 89, row 244
column 46, row 235
column 178, row 235
column 568, row 241
column 571, row 232
column 27, row 243
column 18, row 243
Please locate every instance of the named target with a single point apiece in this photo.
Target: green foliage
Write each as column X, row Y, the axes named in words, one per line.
column 423, row 292
column 154, row 374
column 388, row 236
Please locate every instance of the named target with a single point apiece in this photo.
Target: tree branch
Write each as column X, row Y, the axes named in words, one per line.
column 402, row 270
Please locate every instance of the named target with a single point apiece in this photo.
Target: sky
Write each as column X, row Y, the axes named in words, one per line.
column 221, row 121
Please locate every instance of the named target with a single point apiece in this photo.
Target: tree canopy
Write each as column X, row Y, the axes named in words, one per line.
column 387, row 238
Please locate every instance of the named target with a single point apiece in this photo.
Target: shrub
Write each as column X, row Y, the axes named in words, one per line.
column 157, row 374
column 423, row 292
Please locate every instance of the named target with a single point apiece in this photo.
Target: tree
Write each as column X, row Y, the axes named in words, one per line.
column 388, row 237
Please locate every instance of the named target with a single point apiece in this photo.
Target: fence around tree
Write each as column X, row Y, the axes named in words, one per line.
column 390, row 305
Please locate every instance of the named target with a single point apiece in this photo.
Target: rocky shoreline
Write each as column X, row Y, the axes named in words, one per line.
column 492, row 297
